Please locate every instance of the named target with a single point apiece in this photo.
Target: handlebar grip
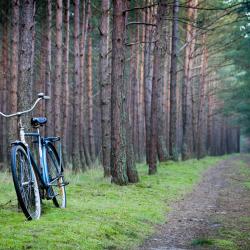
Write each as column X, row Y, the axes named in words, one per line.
column 43, row 96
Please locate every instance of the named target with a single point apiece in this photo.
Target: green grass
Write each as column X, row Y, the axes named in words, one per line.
column 202, row 242
column 215, row 244
column 245, row 173
column 99, row 215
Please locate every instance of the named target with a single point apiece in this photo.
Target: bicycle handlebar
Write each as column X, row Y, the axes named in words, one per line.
column 41, row 96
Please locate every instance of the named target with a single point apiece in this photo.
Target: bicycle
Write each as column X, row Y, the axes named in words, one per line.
column 36, row 180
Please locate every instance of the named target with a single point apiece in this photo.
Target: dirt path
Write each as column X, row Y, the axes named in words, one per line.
column 216, row 215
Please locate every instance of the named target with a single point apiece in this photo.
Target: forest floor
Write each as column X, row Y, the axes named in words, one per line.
column 215, row 215
column 100, row 215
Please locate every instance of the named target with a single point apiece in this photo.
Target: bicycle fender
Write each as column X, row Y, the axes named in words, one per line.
column 57, row 155
column 19, row 143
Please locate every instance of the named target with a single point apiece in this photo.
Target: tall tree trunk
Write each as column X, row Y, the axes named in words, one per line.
column 14, row 68
column 238, row 140
column 105, row 87
column 202, row 96
column 122, row 170
column 90, row 96
column 187, row 141
column 141, row 109
column 118, row 130
column 194, row 118
column 58, row 68
column 209, row 119
column 148, row 72
column 222, row 137
column 179, row 115
column 136, row 95
column 25, row 83
column 76, row 101
column 40, row 82
column 167, row 83
column 134, row 83
column 161, row 53
column 48, row 88
column 4, row 82
column 65, row 82
column 173, row 149
column 130, row 158
column 84, row 147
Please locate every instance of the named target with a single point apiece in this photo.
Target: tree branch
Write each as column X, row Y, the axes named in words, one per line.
column 141, row 23
column 141, row 8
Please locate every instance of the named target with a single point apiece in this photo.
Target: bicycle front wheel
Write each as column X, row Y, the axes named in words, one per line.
column 57, row 185
column 25, row 183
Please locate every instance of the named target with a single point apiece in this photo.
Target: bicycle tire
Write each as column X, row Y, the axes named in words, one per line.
column 56, row 176
column 25, row 183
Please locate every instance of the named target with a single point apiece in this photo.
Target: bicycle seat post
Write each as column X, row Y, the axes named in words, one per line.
column 21, row 130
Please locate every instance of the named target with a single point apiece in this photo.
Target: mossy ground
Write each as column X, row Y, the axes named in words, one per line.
column 99, row 215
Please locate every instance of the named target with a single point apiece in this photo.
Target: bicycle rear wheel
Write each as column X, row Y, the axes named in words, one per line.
column 25, row 183
column 56, row 177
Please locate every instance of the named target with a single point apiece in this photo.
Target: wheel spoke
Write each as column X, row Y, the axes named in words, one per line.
column 56, row 177
column 25, row 183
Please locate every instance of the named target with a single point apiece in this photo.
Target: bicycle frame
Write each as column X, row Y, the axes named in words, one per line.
column 43, row 174
column 42, row 149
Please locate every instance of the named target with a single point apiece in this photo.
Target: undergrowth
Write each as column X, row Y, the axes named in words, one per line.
column 99, row 215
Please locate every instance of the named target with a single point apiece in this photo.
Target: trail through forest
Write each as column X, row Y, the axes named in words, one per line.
column 216, row 215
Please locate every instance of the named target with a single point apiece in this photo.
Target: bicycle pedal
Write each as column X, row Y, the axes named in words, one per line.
column 50, row 196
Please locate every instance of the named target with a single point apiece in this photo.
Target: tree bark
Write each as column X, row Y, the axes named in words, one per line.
column 148, row 72
column 48, row 87
column 58, row 69
column 122, row 170
column 90, row 96
column 173, row 148
column 84, row 147
column 141, row 109
column 161, row 53
column 187, row 141
column 25, row 83
column 40, row 83
column 238, row 140
column 118, row 130
column 4, row 82
column 166, row 90
column 134, row 84
column 76, row 159
column 65, row 82
column 201, row 108
column 14, row 68
column 105, row 87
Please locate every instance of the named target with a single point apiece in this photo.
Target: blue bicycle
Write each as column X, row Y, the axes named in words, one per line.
column 37, row 179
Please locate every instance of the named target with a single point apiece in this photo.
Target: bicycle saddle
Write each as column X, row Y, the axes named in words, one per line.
column 38, row 121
